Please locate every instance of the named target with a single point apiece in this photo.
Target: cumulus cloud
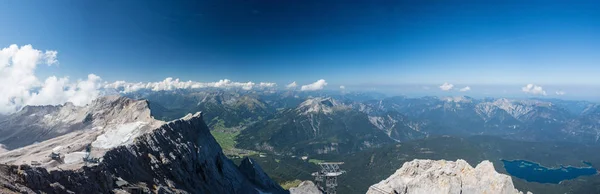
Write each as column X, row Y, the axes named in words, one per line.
column 19, row 86
column 318, row 85
column 60, row 90
column 446, row 86
column 172, row 84
column 291, row 85
column 533, row 89
column 465, row 89
column 560, row 93
column 343, row 87
column 50, row 57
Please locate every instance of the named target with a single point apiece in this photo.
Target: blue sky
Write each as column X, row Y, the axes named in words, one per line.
column 353, row 43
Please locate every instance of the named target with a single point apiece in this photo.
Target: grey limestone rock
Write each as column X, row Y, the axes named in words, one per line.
column 431, row 176
column 180, row 156
column 306, row 187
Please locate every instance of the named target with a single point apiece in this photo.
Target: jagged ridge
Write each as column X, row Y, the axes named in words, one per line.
column 178, row 157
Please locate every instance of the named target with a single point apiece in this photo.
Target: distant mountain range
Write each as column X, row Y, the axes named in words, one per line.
column 291, row 130
column 295, row 123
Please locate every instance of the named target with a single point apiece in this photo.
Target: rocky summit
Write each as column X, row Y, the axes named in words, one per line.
column 179, row 156
column 306, row 187
column 431, row 176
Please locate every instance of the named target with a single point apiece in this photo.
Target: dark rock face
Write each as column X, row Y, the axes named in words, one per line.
column 85, row 180
column 179, row 157
column 257, row 176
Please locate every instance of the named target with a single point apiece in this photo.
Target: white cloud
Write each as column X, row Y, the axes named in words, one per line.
column 533, row 89
column 50, row 57
column 465, row 89
column 172, row 84
column 446, row 86
column 318, row 85
column 19, row 86
column 59, row 91
column 343, row 87
column 291, row 85
column 560, row 93
column 267, row 84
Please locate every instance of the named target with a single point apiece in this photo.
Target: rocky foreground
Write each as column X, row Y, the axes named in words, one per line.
column 305, row 187
column 180, row 156
column 431, row 176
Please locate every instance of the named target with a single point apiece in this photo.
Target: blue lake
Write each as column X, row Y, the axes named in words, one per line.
column 534, row 172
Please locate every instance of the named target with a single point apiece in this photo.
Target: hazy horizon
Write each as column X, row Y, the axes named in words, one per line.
column 71, row 51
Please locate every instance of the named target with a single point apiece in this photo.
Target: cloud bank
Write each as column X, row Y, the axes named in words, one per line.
column 318, row 85
column 60, row 90
column 19, row 86
column 446, row 86
column 533, row 89
column 172, row 84
column 560, row 93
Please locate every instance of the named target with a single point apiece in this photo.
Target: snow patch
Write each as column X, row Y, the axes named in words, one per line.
column 120, row 135
column 56, row 149
column 75, row 157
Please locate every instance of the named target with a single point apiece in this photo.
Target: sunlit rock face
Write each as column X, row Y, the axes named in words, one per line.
column 431, row 176
column 306, row 187
column 136, row 154
column 75, row 132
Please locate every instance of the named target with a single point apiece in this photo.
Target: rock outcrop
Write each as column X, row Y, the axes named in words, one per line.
column 180, row 156
column 306, row 187
column 257, row 176
column 430, row 176
column 35, row 124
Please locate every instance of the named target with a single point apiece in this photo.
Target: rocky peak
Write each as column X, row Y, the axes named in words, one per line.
column 151, row 156
column 319, row 105
column 109, row 120
column 430, row 176
column 515, row 108
column 306, row 187
column 458, row 99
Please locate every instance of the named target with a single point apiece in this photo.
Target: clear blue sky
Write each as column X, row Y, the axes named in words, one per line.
column 344, row 42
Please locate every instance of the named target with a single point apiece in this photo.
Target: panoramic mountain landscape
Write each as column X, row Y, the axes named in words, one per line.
column 299, row 97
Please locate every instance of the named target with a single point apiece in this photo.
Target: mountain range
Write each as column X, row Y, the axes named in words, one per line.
column 117, row 143
column 298, row 123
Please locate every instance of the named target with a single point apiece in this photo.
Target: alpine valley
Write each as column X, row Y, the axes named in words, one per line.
column 289, row 132
column 269, row 141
